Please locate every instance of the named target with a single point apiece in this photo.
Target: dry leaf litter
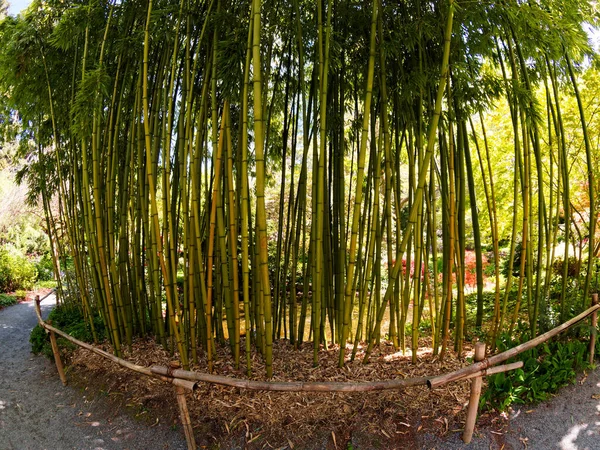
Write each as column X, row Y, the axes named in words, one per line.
column 235, row 418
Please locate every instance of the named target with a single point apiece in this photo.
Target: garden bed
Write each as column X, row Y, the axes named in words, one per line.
column 234, row 418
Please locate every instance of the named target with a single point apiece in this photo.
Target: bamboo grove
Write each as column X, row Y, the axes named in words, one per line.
column 230, row 173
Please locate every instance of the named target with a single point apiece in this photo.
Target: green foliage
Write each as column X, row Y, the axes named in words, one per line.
column 489, row 270
column 27, row 236
column 16, row 270
column 20, row 217
column 7, row 300
column 424, row 327
column 45, row 268
column 516, row 266
column 70, row 320
column 48, row 284
column 546, row 369
column 40, row 342
column 489, row 298
column 70, row 71
column 573, row 269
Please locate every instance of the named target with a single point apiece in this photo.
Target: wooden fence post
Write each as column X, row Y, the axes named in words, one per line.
column 184, row 414
column 38, row 308
column 594, row 330
column 56, row 353
column 474, row 399
column 185, row 418
column 57, row 360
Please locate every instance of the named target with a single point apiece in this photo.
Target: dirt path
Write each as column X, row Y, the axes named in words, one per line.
column 38, row 412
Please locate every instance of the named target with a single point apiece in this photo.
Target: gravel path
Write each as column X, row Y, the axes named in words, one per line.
column 37, row 412
column 570, row 421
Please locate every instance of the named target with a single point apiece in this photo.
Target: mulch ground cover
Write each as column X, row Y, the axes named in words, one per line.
column 227, row 417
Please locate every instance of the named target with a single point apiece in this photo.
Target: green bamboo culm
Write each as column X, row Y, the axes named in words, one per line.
column 261, row 217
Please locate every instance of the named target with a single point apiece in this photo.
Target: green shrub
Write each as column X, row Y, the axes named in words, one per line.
column 7, row 300
column 573, row 269
column 50, row 284
column 16, row 271
column 40, row 342
column 546, row 369
column 45, row 268
column 70, row 320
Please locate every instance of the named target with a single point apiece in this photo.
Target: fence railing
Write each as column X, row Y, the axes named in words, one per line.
column 185, row 380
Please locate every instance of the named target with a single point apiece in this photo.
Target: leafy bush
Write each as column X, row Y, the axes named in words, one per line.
column 26, row 235
column 546, row 368
column 71, row 321
column 50, row 284
column 489, row 270
column 45, row 268
column 16, row 271
column 489, row 298
column 7, row 300
column 574, row 267
column 40, row 342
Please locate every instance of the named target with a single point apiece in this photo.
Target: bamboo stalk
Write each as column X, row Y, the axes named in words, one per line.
column 133, row 155
column 594, row 330
column 474, row 399
column 494, row 370
column 352, row 248
column 291, row 386
column 261, row 216
column 423, row 170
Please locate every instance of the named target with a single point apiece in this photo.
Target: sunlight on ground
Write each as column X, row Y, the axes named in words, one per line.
column 568, row 441
column 590, row 432
column 399, row 355
column 2, row 404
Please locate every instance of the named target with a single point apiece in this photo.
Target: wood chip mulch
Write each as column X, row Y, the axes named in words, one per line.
column 228, row 417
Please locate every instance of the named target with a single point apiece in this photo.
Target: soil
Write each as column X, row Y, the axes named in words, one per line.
column 107, row 407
